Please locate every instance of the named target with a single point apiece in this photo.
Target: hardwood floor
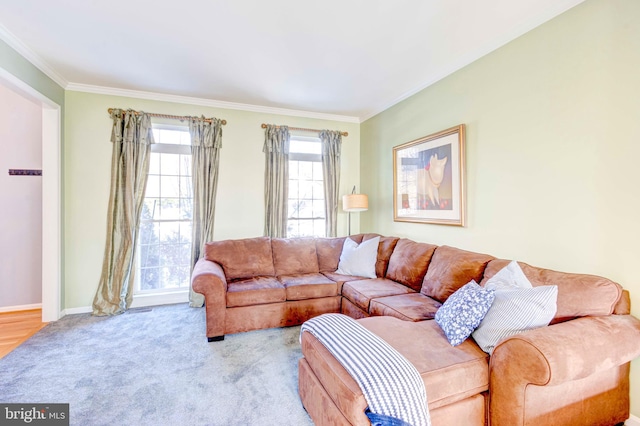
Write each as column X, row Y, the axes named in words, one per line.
column 16, row 327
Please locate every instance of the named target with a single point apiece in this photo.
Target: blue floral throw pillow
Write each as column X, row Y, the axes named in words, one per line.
column 463, row 311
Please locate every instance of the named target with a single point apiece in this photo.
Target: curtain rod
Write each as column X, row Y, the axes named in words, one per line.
column 177, row 117
column 264, row 126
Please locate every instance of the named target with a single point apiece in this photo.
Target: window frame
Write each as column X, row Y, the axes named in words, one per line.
column 163, row 148
column 312, row 158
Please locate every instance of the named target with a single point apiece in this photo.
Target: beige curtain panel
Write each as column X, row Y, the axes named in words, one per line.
column 276, row 180
column 132, row 138
column 331, row 145
column 206, row 141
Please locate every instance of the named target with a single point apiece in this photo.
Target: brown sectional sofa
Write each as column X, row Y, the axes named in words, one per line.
column 573, row 372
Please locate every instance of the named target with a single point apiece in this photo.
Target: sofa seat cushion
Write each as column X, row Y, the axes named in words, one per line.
column 308, row 286
column 255, row 291
column 341, row 279
column 361, row 292
column 450, row 373
column 407, row 307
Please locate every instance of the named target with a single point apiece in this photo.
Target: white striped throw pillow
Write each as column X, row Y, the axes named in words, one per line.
column 517, row 307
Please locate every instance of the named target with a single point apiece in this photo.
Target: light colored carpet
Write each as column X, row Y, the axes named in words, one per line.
column 156, row 368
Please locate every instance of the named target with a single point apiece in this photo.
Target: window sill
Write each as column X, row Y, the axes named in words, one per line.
column 163, row 298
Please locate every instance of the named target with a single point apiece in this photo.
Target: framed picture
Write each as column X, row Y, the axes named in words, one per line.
column 428, row 179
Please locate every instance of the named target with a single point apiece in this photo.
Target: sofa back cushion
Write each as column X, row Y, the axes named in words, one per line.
column 328, row 251
column 409, row 262
column 450, row 269
column 385, row 249
column 244, row 258
column 292, row 256
column 578, row 294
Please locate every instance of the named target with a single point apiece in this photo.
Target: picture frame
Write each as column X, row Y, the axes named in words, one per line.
column 429, row 179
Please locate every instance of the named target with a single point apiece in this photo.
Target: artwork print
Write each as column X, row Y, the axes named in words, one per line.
column 429, row 179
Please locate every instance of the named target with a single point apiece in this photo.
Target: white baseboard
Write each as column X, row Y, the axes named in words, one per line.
column 633, row 421
column 21, row 307
column 140, row 301
column 74, row 311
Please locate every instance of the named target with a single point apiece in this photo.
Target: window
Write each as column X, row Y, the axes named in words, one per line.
column 306, row 211
column 164, row 251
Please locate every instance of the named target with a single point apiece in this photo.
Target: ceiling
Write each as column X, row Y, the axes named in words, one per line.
column 342, row 59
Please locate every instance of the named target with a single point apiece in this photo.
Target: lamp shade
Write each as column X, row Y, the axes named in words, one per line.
column 355, row 202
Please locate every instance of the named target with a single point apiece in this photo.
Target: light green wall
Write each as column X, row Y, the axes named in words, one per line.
column 553, row 144
column 240, row 197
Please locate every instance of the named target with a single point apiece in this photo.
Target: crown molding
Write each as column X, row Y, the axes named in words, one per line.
column 154, row 96
column 22, row 49
column 17, row 45
column 521, row 29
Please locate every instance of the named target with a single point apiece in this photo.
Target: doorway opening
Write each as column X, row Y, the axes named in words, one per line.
column 51, row 194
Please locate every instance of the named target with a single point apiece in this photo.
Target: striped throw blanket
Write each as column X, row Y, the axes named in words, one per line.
column 390, row 384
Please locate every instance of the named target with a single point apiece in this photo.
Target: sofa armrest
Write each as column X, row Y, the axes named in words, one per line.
column 208, row 278
column 556, row 354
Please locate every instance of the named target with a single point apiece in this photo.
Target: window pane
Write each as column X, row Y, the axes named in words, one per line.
column 185, row 138
column 318, row 190
column 293, row 208
column 185, row 232
column 169, row 164
column 169, row 232
column 305, row 208
column 149, row 233
column 319, row 227
column 149, row 255
column 305, row 147
column 186, row 208
column 174, row 276
column 170, row 136
column 318, row 208
column 185, row 255
column 169, row 186
column 170, row 208
column 293, row 189
column 306, row 228
column 148, row 208
column 293, row 169
column 185, row 187
column 317, row 171
column 170, row 254
column 292, row 228
column 185, row 165
column 149, row 278
column 306, row 170
column 306, row 189
column 153, row 187
column 154, row 164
